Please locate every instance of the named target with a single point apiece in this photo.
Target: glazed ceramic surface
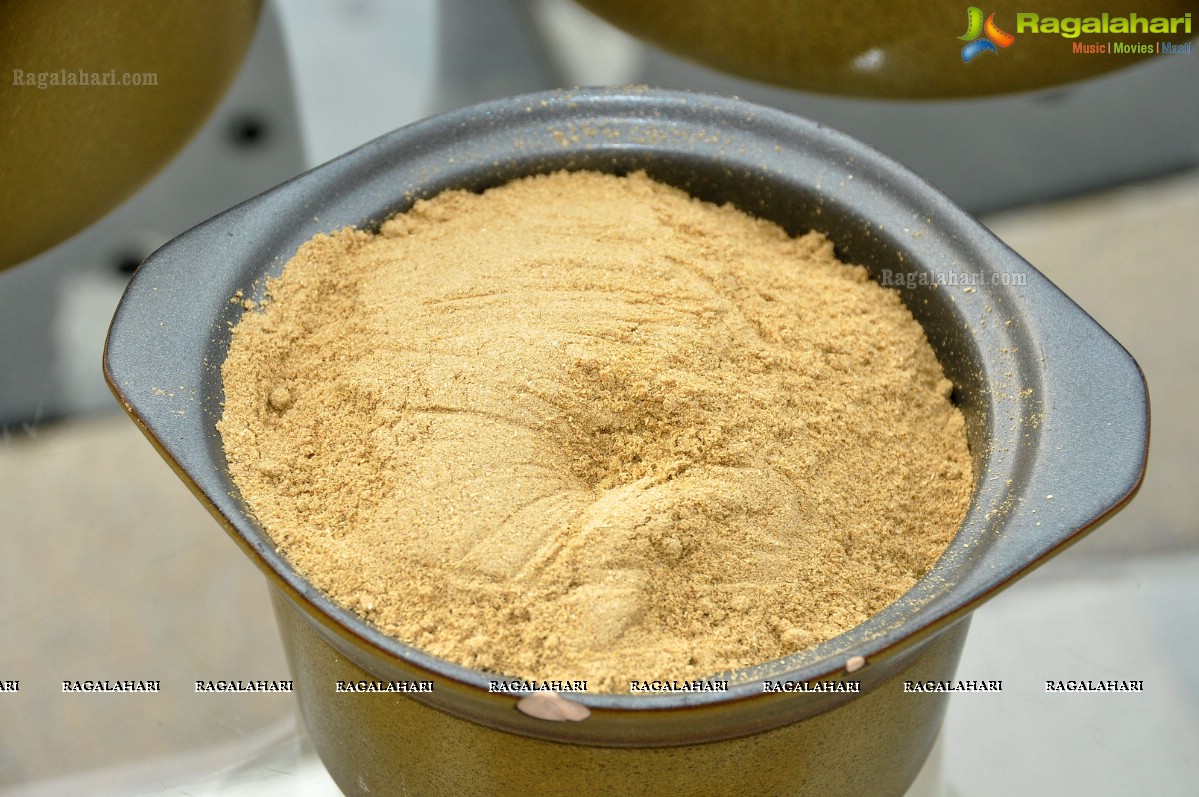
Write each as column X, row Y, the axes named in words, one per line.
column 1057, row 417
column 907, row 50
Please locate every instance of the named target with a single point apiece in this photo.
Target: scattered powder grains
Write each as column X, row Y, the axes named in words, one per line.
column 584, row 426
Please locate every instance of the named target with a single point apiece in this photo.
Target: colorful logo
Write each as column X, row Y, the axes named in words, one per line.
column 990, row 40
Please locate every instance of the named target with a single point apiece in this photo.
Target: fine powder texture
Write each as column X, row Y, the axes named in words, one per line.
column 587, row 427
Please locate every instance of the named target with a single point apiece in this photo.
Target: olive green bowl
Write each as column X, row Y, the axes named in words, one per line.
column 906, row 50
column 1057, row 418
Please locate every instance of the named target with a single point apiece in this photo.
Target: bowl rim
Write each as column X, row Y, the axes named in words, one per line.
column 1063, row 406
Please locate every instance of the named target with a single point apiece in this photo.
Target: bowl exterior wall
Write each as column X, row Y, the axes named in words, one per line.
column 380, row 743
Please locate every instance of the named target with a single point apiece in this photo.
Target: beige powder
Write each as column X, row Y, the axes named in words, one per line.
column 587, row 427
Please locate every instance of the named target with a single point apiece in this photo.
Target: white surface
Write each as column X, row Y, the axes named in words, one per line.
column 362, row 68
column 1126, row 619
column 273, row 761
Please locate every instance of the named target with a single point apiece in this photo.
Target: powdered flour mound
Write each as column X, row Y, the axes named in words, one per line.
column 587, row 427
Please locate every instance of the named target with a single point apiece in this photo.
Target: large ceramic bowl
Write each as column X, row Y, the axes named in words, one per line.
column 910, row 50
column 1057, row 416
